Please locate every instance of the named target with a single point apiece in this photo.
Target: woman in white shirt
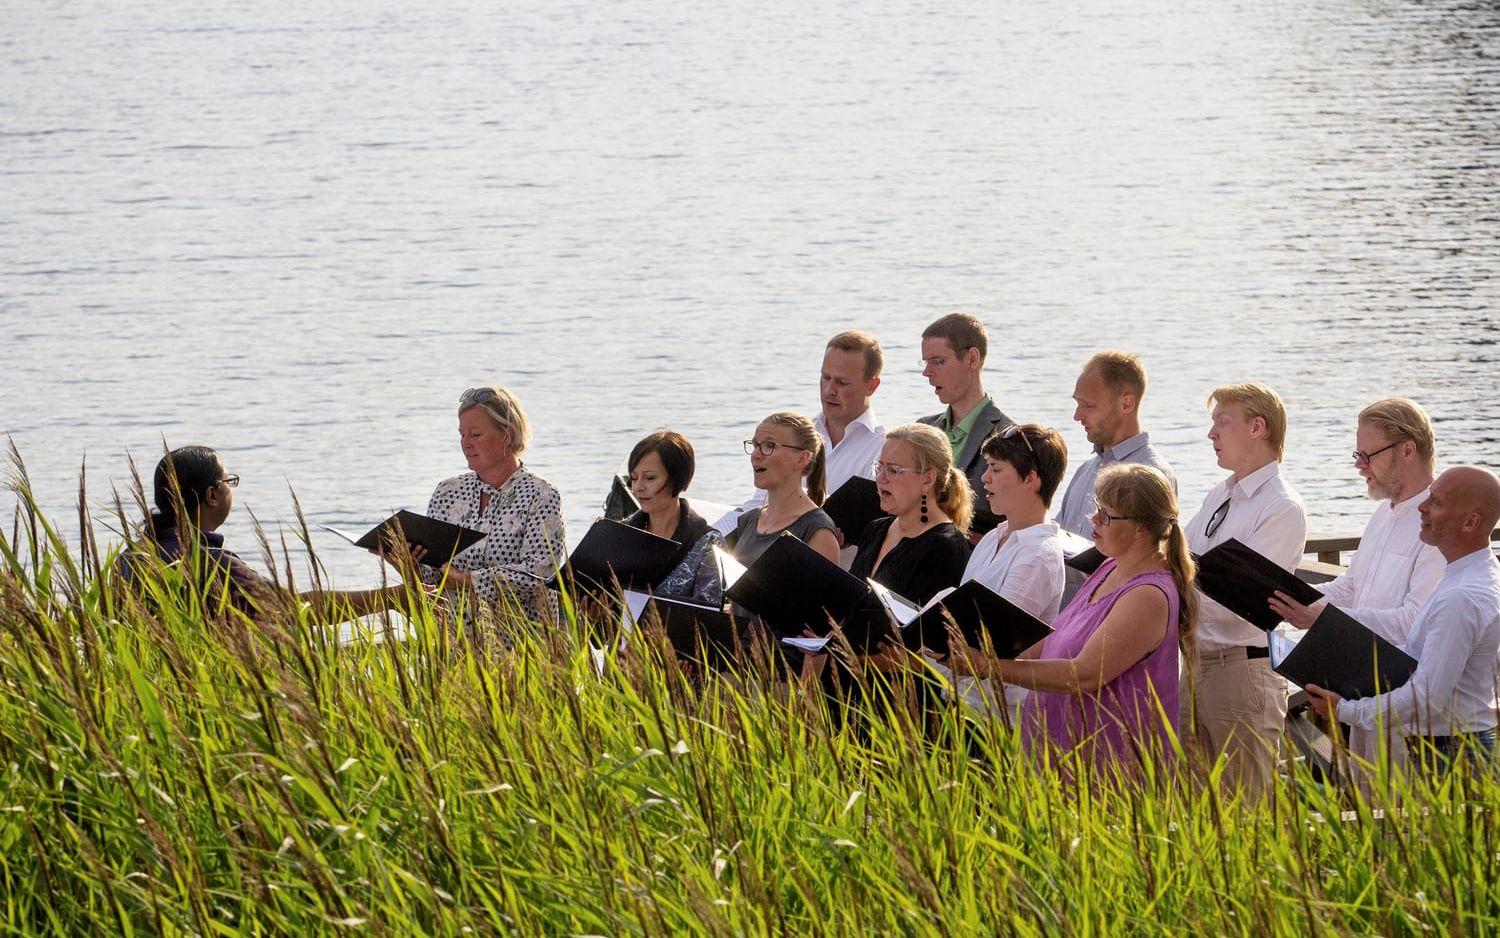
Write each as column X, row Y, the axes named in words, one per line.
column 1022, row 559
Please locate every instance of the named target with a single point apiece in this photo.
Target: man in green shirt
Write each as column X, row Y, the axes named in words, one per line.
column 953, row 352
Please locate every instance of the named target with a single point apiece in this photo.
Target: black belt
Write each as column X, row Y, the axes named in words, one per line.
column 1257, row 651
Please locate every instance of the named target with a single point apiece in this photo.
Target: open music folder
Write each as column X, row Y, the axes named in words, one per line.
column 979, row 613
column 695, row 631
column 441, row 539
column 793, row 588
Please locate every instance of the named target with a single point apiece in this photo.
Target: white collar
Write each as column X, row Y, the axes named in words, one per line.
column 1253, row 482
column 866, row 420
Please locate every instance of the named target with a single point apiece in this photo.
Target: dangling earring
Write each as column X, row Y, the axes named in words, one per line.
column 924, row 507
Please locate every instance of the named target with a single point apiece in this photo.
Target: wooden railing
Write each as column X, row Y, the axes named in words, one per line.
column 1328, row 547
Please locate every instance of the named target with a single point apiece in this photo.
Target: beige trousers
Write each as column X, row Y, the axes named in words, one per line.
column 1241, row 712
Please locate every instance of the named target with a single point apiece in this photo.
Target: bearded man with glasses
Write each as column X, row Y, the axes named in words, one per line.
column 1392, row 572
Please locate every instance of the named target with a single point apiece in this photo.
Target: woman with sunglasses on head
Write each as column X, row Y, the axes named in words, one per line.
column 519, row 511
column 785, row 450
column 193, row 495
column 1022, row 559
column 1105, row 682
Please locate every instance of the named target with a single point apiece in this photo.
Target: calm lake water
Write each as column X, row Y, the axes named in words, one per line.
column 296, row 232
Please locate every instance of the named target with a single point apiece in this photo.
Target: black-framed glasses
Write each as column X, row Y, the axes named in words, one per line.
column 1015, row 430
column 767, row 447
column 1102, row 518
column 1216, row 520
column 231, row 480
column 1362, row 458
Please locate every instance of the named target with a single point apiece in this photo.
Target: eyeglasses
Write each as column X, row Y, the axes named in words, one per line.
column 891, row 470
column 477, row 396
column 1015, row 430
column 1362, row 458
column 767, row 447
column 1216, row 520
column 231, row 480
column 1102, row 518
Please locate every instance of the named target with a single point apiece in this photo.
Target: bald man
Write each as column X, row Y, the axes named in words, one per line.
column 1448, row 706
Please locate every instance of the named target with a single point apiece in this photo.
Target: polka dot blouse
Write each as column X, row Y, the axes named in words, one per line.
column 524, row 524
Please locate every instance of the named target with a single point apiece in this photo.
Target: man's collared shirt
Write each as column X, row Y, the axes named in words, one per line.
column 855, row 453
column 1392, row 572
column 958, row 434
column 1455, row 639
column 1078, row 504
column 1266, row 515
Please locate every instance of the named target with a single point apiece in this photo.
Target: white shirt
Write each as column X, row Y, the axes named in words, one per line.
column 850, row 458
column 1455, row 639
column 1027, row 569
column 1392, row 572
column 1266, row 515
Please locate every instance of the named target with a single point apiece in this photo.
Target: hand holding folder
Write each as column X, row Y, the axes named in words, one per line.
column 1339, row 654
column 441, row 540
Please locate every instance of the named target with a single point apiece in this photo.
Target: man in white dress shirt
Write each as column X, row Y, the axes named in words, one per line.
column 1239, row 704
column 1107, row 399
column 1392, row 572
column 1449, row 703
column 850, row 375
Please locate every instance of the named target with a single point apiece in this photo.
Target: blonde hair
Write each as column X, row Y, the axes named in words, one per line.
column 951, row 487
column 1257, row 400
column 1120, row 371
column 1402, row 419
column 807, row 437
column 503, row 409
column 1143, row 495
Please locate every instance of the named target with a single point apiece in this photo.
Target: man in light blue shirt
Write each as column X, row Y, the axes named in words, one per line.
column 1108, row 397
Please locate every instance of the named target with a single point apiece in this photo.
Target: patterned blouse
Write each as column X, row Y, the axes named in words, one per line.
column 524, row 524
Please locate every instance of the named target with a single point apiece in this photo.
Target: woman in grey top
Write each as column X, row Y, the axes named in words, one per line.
column 520, row 512
column 785, row 450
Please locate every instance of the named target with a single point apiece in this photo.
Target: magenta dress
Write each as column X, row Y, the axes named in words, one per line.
column 1116, row 723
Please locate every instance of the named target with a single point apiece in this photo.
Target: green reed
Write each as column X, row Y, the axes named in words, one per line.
column 170, row 767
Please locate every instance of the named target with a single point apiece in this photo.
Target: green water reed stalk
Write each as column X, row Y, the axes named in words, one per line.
column 173, row 767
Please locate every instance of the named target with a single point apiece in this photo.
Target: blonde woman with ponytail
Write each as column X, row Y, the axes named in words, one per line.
column 785, row 451
column 1105, row 682
column 920, row 548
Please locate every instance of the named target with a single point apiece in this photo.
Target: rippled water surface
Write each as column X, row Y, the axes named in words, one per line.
column 295, row 232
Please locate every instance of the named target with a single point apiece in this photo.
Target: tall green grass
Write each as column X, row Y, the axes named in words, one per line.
column 169, row 768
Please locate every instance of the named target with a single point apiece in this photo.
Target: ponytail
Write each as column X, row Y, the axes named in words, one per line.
column 956, row 497
column 1184, row 576
column 817, row 475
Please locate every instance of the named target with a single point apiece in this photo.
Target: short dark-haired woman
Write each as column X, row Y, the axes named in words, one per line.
column 661, row 468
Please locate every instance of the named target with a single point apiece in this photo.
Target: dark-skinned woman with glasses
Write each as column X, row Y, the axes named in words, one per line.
column 784, row 451
column 519, row 511
column 193, row 496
